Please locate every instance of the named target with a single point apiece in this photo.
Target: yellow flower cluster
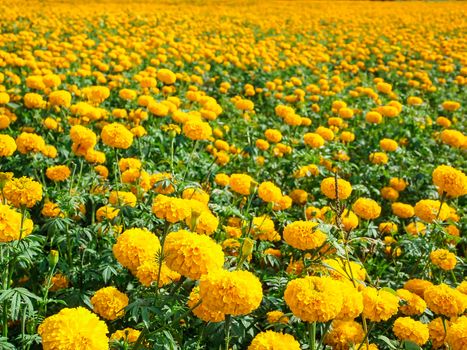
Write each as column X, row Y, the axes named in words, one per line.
column 10, row 224
column 406, row 328
column 23, row 192
column 304, row 235
column 109, row 303
column 270, row 340
column 170, row 208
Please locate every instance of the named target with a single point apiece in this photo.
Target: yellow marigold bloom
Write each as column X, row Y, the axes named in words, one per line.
column 59, row 282
column 438, row 331
column 262, row 144
column 374, row 117
column 398, row 184
column 343, row 270
column 299, row 196
column 192, row 255
column 269, row 192
column 388, row 228
column 443, row 121
column 444, row 259
column 428, row 210
column 406, row 328
column 347, row 136
column 231, row 292
column 366, row 208
column 457, row 334
column 416, row 228
column 417, row 286
column 263, row 228
column 148, row 272
column 314, row 140
column 83, row 139
column 344, row 335
column 138, row 131
column 196, row 194
column 4, row 98
column 127, row 94
column 414, row 101
column 352, row 305
column 23, row 192
column 58, row 173
column 270, row 340
column 93, row 156
column 205, row 223
column 284, row 203
column 450, row 180
column 388, row 145
column 303, row 235
column 451, row 106
column 383, row 87
column 161, row 183
column 328, row 187
column 378, row 158
column 10, row 225
column 414, row 305
column 273, row 135
column 453, row 138
column 33, row 100
column 379, row 305
column 72, row 327
column 109, row 303
column 7, row 145
column 197, row 130
column 117, row 136
column 60, row 98
column 201, row 311
column 325, row 133
column 106, row 212
column 121, row 198
column 171, row 209
column 241, row 183
column 128, row 335
column 444, row 300
column 136, row 246
column 314, row 299
column 27, row 142
column 402, row 210
column 222, row 179
column 51, row 210
column 346, row 113
column 96, row 94
column 277, row 317
column 166, row 76
column 244, row 105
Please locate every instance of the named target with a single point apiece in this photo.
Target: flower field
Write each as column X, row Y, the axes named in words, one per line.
column 261, row 175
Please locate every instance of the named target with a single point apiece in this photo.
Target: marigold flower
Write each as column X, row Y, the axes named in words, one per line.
column 71, row 327
column 417, row 286
column 451, row 106
column 453, row 138
column 444, row 259
column 241, row 183
column 109, row 303
column 148, row 272
column 166, row 76
column 269, row 192
column 106, row 212
column 23, row 192
column 7, row 145
column 277, row 317
column 444, row 300
column 270, row 340
column 222, row 179
column 136, row 246
column 304, row 235
column 231, row 292
column 328, row 187
column 414, row 305
column 58, row 173
column 117, row 136
column 344, row 334
column 192, row 255
column 201, row 311
column 122, row 198
column 378, row 158
column 402, row 210
column 450, row 180
column 314, row 299
column 273, row 135
column 171, row 209
column 406, row 328
column 379, row 305
column 60, row 98
column 263, row 229
column 366, row 208
column 438, row 331
column 197, row 130
column 388, row 145
column 128, row 335
column 343, row 270
column 457, row 334
column 28, row 142
column 10, row 225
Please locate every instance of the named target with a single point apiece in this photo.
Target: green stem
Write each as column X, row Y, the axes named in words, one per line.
column 161, row 255
column 227, row 323
column 187, row 165
column 312, row 335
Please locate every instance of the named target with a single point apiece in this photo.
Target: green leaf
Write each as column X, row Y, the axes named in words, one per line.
column 409, row 345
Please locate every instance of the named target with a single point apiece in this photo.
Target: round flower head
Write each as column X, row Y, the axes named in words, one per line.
column 231, row 292
column 344, row 334
column 192, row 255
column 148, row 272
column 328, row 187
column 314, row 299
column 352, row 305
column 453, row 138
column 444, row 259
column 241, row 183
column 263, row 228
column 128, row 335
column 205, row 223
column 314, row 140
column 201, row 311
column 416, row 228
column 273, row 135
column 109, row 303
column 428, row 210
column 196, row 194
column 166, row 76
column 438, row 331
column 122, row 198
column 269, row 192
column 398, row 184
column 277, row 317
column 171, row 209
column 83, row 138
column 366, row 208
column 136, row 246
column 10, row 224
column 270, row 340
column 417, row 286
column 28, row 142
column 388, row 145
column 222, row 179
column 7, row 145
column 389, row 193
column 402, row 210
column 197, row 130
column 379, row 305
column 406, row 328
column 414, row 305
column 74, row 329
column 304, row 235
column 117, row 136
column 58, row 173
column 23, row 192
column 450, row 180
column 457, row 334
column 378, row 158
column 60, row 98
column 444, row 300
column 343, row 270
